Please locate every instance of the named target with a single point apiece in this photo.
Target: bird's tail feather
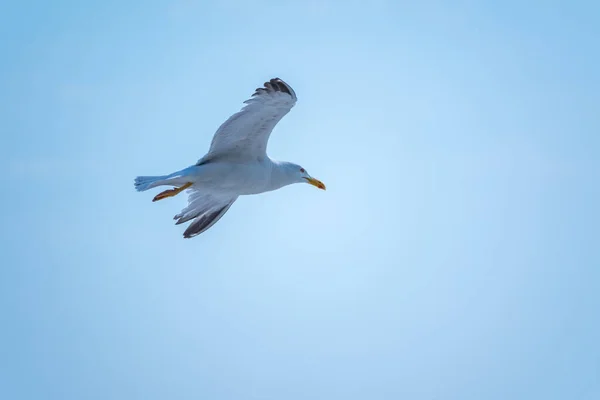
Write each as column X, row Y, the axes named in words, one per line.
column 148, row 182
column 178, row 178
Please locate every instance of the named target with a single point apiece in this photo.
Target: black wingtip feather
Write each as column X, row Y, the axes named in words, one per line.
column 275, row 85
column 205, row 221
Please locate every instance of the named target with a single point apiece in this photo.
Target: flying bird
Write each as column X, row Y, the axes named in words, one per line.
column 236, row 163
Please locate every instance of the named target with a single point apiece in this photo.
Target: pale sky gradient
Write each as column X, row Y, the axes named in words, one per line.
column 454, row 256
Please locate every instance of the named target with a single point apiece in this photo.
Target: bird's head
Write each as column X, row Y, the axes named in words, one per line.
column 299, row 175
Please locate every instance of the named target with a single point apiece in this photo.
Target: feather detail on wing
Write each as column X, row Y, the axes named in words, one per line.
column 246, row 133
column 205, row 210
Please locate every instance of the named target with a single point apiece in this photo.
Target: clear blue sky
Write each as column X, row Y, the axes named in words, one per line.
column 454, row 256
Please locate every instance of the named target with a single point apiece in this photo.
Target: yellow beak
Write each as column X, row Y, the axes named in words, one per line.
column 316, row 183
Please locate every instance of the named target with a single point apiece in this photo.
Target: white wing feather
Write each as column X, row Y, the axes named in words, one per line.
column 205, row 209
column 246, row 133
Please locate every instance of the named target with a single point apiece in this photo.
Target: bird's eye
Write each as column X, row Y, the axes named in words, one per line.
column 302, row 170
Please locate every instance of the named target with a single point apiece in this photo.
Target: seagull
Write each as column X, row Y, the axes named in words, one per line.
column 236, row 163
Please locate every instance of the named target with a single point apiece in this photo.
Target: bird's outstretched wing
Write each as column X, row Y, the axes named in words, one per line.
column 245, row 134
column 205, row 209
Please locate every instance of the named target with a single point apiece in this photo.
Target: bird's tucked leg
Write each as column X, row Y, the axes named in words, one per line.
column 171, row 192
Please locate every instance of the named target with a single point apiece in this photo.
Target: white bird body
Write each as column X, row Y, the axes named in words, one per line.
column 235, row 178
column 236, row 163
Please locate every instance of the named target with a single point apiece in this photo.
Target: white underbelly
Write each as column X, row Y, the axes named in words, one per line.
column 234, row 178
